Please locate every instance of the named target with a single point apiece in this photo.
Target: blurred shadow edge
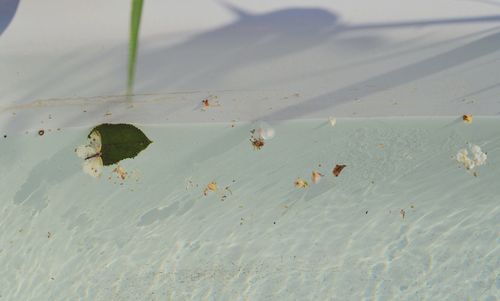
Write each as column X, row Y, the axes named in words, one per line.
column 8, row 9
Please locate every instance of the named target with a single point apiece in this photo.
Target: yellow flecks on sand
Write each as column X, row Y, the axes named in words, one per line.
column 333, row 121
column 212, row 186
column 316, row 177
column 301, row 183
column 467, row 118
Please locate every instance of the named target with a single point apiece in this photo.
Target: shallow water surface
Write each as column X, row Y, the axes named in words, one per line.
column 403, row 221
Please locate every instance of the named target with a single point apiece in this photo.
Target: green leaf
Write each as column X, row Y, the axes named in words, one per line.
column 120, row 141
column 135, row 22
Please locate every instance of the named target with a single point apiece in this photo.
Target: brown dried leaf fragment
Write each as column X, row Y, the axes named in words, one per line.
column 467, row 118
column 338, row 169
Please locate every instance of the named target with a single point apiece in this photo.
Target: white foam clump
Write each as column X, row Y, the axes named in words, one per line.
column 264, row 131
column 478, row 157
column 333, row 121
column 92, row 163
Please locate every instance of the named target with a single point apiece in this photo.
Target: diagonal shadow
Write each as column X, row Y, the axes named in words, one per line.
column 205, row 60
column 391, row 79
column 250, row 39
column 386, row 56
column 479, row 91
column 258, row 39
column 422, row 23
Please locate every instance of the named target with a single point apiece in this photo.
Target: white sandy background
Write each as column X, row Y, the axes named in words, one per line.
column 155, row 236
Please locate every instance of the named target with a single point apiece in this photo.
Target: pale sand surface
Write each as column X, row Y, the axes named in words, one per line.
column 67, row 236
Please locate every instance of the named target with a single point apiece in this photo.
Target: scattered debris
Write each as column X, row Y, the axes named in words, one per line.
column 49, row 235
column 5, row 136
column 478, row 157
column 467, row 118
column 189, row 183
column 338, row 169
column 260, row 134
column 257, row 143
column 206, row 103
column 263, row 132
column 120, row 171
column 403, row 213
column 381, row 145
column 301, row 183
column 212, row 186
column 333, row 121
column 316, row 177
column 134, row 175
column 224, row 193
column 41, row 132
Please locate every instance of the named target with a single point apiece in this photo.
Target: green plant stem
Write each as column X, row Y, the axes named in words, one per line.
column 135, row 22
